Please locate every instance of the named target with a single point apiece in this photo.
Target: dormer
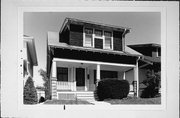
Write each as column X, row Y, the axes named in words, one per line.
column 93, row 35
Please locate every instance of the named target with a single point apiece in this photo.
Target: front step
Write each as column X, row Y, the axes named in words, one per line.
column 85, row 96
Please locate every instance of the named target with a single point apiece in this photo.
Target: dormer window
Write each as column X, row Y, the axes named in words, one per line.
column 107, row 40
column 88, row 37
column 98, row 38
column 98, row 33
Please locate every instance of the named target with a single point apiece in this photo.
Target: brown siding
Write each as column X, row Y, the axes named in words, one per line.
column 76, row 35
column 98, row 43
column 64, row 36
column 117, row 37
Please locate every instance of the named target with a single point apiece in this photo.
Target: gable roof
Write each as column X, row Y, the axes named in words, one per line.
column 66, row 46
column 152, row 45
column 145, row 49
column 90, row 23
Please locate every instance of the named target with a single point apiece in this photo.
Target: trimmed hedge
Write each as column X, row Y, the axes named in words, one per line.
column 30, row 93
column 111, row 89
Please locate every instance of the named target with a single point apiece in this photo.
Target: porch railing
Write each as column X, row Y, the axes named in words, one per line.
column 61, row 85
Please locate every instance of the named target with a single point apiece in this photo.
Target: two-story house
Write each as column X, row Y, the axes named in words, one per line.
column 29, row 57
column 86, row 53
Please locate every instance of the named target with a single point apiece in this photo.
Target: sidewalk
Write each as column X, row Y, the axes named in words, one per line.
column 98, row 102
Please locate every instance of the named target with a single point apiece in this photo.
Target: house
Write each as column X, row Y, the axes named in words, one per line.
column 150, row 61
column 29, row 57
column 85, row 53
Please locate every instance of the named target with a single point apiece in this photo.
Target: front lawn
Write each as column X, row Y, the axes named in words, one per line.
column 134, row 100
column 62, row 102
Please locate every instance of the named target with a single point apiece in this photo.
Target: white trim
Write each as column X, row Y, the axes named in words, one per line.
column 99, row 37
column 84, row 36
column 98, row 72
column 93, row 62
column 124, row 75
column 112, row 48
column 54, row 69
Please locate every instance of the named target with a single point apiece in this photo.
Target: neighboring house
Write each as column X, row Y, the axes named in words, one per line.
column 87, row 52
column 29, row 57
column 150, row 60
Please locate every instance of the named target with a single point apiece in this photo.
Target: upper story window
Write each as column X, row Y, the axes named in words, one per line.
column 88, row 37
column 98, row 33
column 98, row 38
column 107, row 40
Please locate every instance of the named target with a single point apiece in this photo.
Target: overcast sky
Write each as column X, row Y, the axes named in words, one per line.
column 145, row 28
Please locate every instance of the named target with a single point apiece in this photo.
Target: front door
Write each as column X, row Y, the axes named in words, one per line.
column 80, row 79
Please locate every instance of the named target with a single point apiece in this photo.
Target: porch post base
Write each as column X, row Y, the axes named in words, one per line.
column 54, row 88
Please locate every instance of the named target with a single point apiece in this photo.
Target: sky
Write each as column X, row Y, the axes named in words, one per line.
column 145, row 28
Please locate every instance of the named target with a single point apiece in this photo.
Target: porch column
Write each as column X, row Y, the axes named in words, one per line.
column 124, row 75
column 136, row 80
column 54, row 80
column 98, row 74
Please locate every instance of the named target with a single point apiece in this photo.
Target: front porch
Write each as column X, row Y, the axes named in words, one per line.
column 79, row 78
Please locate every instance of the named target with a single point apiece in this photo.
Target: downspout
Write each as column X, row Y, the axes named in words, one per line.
column 137, row 75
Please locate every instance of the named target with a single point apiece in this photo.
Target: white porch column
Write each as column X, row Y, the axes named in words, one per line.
column 136, row 80
column 124, row 75
column 98, row 73
column 54, row 80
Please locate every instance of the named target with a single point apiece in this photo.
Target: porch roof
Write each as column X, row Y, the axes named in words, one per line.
column 81, row 53
column 66, row 46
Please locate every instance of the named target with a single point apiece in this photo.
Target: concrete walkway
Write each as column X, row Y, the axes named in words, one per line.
column 98, row 102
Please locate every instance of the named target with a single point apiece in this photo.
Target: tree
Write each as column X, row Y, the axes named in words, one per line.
column 30, row 93
column 153, row 84
column 46, row 83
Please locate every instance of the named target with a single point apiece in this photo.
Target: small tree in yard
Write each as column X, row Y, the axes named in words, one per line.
column 30, row 93
column 46, row 83
column 153, row 84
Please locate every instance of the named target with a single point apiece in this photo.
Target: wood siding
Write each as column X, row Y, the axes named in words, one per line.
column 76, row 35
column 117, row 37
column 64, row 36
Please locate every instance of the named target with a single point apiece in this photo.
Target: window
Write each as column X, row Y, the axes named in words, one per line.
column 62, row 74
column 98, row 38
column 108, row 40
column 98, row 33
column 88, row 37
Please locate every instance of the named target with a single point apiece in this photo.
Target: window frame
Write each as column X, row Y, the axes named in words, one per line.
column 84, row 37
column 112, row 47
column 63, row 73
column 99, row 37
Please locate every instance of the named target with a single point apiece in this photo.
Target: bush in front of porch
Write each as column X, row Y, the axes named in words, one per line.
column 111, row 88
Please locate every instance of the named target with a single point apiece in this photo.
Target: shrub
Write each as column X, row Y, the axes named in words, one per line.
column 111, row 89
column 30, row 93
column 152, row 89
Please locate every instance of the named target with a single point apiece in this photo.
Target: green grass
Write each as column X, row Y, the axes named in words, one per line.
column 134, row 100
column 62, row 102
